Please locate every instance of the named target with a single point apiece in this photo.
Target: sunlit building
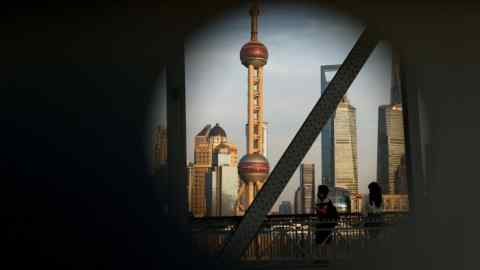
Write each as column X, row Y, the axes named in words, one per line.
column 391, row 139
column 391, row 202
column 339, row 143
column 222, row 183
column 307, row 184
column 202, row 163
column 395, row 203
column 159, row 149
column 356, row 201
column 206, row 143
column 401, row 185
column 190, row 180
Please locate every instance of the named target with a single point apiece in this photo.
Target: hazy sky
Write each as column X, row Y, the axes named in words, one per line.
column 299, row 39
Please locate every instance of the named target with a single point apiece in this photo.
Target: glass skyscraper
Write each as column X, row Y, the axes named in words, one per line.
column 391, row 140
column 339, row 143
column 307, row 184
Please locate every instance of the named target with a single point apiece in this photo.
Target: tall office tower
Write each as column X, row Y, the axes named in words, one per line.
column 159, row 149
column 391, row 139
column 190, row 179
column 401, row 185
column 339, row 143
column 285, row 208
column 222, row 183
column 328, row 162
column 207, row 143
column 298, row 202
column 201, row 166
column 253, row 168
column 233, row 153
column 307, row 183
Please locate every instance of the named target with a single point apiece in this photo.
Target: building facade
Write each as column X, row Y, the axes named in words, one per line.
column 391, row 203
column 285, row 208
column 356, row 199
column 206, row 142
column 201, row 166
column 190, row 181
column 395, row 203
column 298, row 202
column 339, row 143
column 307, row 184
column 222, row 184
column 391, row 139
column 159, row 149
column 401, row 185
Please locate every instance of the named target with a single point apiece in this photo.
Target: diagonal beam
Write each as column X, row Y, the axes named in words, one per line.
column 298, row 148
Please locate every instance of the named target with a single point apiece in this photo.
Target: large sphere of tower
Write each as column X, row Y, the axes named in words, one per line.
column 254, row 53
column 253, row 168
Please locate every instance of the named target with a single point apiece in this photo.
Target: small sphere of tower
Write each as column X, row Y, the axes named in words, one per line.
column 254, row 52
column 253, row 168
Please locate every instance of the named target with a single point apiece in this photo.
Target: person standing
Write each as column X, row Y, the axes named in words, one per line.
column 327, row 218
column 372, row 210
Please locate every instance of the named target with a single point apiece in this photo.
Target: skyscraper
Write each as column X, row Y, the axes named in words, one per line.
column 190, row 180
column 159, row 165
column 307, row 184
column 206, row 143
column 401, row 185
column 159, row 149
column 339, row 143
column 297, row 203
column 285, row 208
column 222, row 183
column 391, row 139
column 253, row 168
column 202, row 163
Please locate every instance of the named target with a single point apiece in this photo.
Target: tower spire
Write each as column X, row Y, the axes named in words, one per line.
column 395, row 90
column 254, row 12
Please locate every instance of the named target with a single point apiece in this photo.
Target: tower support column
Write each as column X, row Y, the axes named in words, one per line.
column 250, row 124
column 261, row 138
column 251, row 193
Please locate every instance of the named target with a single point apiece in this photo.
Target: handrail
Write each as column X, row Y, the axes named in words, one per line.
column 292, row 237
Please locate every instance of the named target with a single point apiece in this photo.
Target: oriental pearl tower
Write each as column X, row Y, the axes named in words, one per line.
column 253, row 168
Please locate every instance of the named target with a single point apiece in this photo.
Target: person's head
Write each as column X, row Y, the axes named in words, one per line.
column 322, row 192
column 375, row 194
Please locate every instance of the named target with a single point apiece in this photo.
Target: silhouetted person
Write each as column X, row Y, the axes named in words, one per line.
column 327, row 216
column 372, row 209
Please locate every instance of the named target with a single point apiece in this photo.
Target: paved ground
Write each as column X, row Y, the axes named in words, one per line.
column 294, row 265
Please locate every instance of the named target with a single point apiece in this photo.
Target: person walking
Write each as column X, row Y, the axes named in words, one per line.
column 372, row 210
column 327, row 219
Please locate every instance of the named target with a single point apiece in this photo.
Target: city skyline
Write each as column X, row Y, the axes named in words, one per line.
column 323, row 37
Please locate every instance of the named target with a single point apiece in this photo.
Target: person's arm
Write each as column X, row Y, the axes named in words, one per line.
column 334, row 210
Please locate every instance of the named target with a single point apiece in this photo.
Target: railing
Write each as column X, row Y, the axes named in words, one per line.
column 293, row 237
